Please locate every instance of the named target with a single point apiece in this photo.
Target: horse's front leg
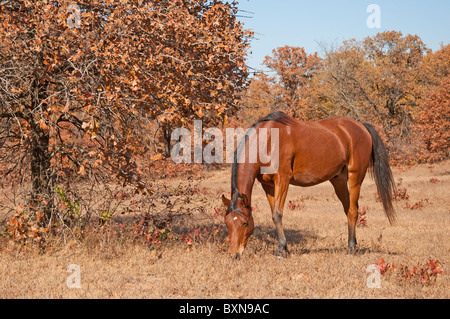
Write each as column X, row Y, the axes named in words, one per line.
column 276, row 195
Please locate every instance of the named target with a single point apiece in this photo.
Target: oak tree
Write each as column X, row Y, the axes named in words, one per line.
column 291, row 71
column 80, row 81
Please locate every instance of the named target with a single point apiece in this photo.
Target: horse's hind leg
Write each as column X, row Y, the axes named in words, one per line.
column 349, row 200
column 276, row 195
column 354, row 185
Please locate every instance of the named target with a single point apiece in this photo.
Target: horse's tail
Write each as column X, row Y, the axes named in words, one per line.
column 379, row 164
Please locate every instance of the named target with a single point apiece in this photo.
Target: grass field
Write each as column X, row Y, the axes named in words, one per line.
column 317, row 267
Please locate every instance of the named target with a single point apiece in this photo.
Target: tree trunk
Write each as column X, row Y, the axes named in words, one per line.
column 167, row 137
column 41, row 179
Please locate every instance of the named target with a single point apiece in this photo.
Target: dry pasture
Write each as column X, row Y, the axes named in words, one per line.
column 317, row 267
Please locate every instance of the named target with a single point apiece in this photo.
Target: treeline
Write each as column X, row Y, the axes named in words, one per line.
column 390, row 80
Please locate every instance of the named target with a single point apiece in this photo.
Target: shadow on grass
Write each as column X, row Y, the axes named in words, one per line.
column 302, row 241
column 264, row 239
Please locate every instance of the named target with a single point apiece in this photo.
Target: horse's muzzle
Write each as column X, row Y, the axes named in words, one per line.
column 237, row 256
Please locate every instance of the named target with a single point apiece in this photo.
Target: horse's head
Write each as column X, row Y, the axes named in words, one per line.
column 239, row 221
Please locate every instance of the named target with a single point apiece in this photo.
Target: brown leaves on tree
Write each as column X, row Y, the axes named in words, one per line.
column 434, row 122
column 294, row 70
column 390, row 80
column 75, row 99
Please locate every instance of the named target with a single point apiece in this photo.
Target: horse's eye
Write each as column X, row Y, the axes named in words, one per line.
column 245, row 224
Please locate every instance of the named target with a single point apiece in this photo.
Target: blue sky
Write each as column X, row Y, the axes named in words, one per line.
column 308, row 23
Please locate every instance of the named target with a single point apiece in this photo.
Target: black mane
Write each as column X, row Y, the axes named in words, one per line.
column 276, row 116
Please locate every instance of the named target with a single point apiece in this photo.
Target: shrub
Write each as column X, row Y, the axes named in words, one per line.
column 425, row 274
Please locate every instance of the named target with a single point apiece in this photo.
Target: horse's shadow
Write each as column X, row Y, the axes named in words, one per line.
column 265, row 236
column 303, row 241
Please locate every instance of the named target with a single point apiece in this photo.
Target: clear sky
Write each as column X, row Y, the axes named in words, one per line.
column 307, row 23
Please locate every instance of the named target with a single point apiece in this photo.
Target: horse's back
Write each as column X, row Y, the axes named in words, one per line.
column 316, row 151
column 357, row 139
column 345, row 132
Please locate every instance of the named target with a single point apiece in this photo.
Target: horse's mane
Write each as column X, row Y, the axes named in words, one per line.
column 276, row 116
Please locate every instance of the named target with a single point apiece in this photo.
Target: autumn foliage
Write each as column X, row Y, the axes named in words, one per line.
column 434, row 122
column 390, row 80
column 294, row 70
column 425, row 274
column 82, row 82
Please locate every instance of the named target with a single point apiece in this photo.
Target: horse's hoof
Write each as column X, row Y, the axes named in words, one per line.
column 281, row 253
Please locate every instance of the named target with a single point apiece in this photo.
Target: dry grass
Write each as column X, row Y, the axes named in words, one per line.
column 317, row 267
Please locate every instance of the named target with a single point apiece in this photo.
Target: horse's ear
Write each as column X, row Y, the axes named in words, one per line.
column 225, row 201
column 244, row 199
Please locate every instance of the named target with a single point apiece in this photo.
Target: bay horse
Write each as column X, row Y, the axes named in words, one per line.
column 339, row 150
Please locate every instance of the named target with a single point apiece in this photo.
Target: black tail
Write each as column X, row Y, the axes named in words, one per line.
column 382, row 173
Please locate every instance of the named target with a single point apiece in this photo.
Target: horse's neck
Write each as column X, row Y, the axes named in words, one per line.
column 246, row 179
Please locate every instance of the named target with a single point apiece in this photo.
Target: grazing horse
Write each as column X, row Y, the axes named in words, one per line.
column 339, row 150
